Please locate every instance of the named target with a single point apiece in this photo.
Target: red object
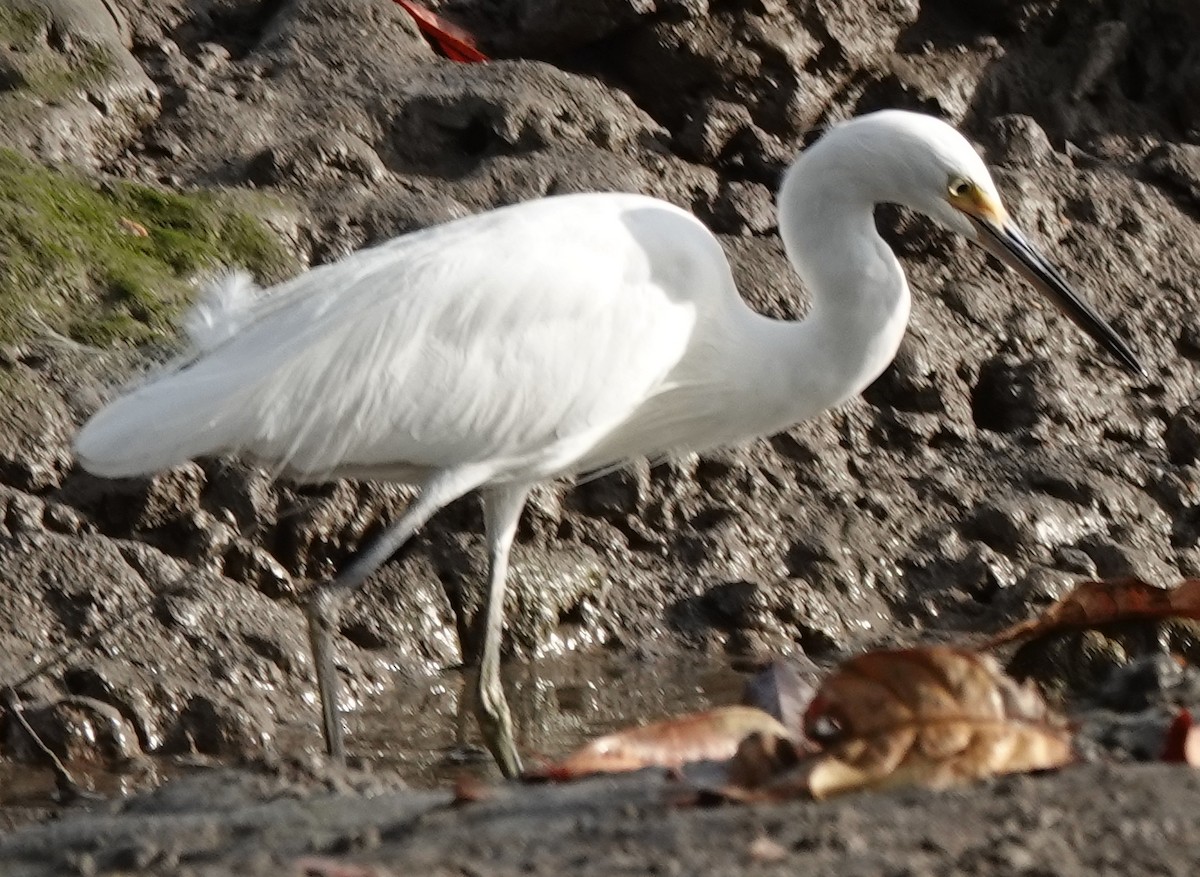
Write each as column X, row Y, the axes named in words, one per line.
column 1182, row 744
column 451, row 40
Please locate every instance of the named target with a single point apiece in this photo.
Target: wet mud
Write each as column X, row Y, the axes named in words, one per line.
column 999, row 460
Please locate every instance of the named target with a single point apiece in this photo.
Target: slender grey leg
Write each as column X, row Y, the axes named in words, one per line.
column 325, row 605
column 502, row 509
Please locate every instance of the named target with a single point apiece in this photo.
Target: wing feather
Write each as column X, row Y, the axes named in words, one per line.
column 519, row 338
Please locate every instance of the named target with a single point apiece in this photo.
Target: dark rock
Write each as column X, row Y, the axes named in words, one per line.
column 744, row 208
column 1006, row 397
column 908, row 384
column 707, row 134
column 221, row 729
column 1182, row 436
column 1177, row 168
column 613, row 496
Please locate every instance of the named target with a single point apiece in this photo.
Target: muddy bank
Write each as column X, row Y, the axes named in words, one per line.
column 999, row 459
column 1086, row 820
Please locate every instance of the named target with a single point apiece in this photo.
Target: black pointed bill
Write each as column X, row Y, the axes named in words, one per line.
column 1006, row 242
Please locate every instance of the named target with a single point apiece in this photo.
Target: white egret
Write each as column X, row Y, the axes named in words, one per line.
column 555, row 337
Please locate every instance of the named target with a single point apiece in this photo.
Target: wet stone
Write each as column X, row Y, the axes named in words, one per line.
column 76, row 729
column 222, row 729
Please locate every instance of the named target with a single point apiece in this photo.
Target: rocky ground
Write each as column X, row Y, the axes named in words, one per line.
column 1000, row 458
column 218, row 824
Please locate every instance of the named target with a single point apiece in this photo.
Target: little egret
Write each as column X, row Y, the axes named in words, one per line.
column 555, row 337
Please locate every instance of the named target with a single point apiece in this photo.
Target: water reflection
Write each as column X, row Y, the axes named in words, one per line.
column 424, row 729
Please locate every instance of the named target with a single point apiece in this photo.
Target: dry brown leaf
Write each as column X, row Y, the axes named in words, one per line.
column 1095, row 603
column 136, row 229
column 450, row 39
column 930, row 716
column 1182, row 743
column 713, row 735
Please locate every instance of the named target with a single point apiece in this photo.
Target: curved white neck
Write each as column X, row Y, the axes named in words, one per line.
column 860, row 301
column 860, row 298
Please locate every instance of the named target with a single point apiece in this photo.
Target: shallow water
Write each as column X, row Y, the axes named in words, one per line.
column 418, row 729
column 422, row 730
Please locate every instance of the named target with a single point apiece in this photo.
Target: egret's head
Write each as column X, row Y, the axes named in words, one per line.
column 923, row 163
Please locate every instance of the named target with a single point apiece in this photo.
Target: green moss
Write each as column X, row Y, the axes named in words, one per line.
column 20, row 27
column 112, row 262
column 29, row 66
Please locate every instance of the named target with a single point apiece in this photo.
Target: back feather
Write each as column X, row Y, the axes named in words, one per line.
column 225, row 305
column 161, row 404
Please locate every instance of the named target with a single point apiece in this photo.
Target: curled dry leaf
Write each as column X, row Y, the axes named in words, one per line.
column 713, row 735
column 450, row 39
column 932, row 717
column 1095, row 603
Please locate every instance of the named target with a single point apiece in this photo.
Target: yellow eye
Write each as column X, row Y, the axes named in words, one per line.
column 960, row 188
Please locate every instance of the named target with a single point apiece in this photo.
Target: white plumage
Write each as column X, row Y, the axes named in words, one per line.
column 558, row 336
column 515, row 341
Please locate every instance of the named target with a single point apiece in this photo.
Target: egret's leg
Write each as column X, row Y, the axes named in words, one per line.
column 325, row 605
column 501, row 509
